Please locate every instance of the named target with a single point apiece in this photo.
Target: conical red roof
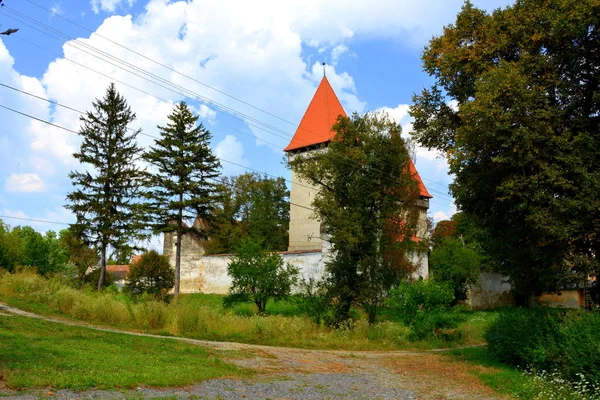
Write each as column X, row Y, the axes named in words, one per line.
column 319, row 118
column 317, row 123
column 413, row 171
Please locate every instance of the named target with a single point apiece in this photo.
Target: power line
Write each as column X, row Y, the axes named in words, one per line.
column 140, row 132
column 162, row 65
column 133, row 130
column 70, row 130
column 228, row 110
column 34, row 220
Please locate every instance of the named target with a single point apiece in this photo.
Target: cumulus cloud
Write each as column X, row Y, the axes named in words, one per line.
column 24, row 183
column 231, row 152
column 440, row 216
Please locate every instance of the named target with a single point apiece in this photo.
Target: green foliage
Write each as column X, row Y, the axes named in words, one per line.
column 93, row 277
column 313, row 300
column 424, row 305
column 258, row 276
column 515, row 108
column 11, row 248
column 456, row 264
column 252, row 206
column 547, row 339
column 151, row 273
column 182, row 183
column 367, row 207
column 27, row 247
column 106, row 196
column 79, row 254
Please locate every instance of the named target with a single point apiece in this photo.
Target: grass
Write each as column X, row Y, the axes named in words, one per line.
column 202, row 316
column 503, row 379
column 36, row 354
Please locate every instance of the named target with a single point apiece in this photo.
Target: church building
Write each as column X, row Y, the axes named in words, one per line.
column 202, row 273
column 314, row 131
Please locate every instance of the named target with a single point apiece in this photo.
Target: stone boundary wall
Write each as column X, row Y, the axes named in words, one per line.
column 208, row 274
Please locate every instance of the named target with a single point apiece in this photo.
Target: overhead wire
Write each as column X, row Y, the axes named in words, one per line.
column 73, row 131
column 228, row 110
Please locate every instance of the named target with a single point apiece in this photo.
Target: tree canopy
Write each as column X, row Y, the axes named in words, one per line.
column 516, row 108
column 252, row 206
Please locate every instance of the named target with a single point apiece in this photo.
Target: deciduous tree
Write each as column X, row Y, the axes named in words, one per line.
column 516, row 107
column 367, row 207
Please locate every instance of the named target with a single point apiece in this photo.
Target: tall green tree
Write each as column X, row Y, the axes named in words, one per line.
column 182, row 180
column 367, row 206
column 252, row 206
column 107, row 194
column 516, row 107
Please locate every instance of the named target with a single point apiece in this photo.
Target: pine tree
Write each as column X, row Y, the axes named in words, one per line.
column 106, row 196
column 182, row 182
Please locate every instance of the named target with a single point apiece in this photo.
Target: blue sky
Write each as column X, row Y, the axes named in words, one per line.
column 266, row 54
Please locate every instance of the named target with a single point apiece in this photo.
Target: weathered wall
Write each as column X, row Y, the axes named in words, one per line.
column 572, row 298
column 490, row 292
column 191, row 257
column 209, row 273
column 305, row 230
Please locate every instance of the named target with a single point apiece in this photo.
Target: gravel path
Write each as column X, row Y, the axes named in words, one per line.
column 286, row 373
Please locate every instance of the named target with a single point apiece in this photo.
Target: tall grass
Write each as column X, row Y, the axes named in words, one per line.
column 186, row 317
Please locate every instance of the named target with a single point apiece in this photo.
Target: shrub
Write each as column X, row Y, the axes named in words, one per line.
column 93, row 277
column 422, row 295
column 258, row 276
column 314, row 301
column 151, row 273
column 456, row 264
column 548, row 339
column 424, row 305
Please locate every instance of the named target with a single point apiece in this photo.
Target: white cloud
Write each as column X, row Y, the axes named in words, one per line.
column 57, row 9
column 233, row 151
column 440, row 216
column 27, row 183
column 337, row 52
column 108, row 5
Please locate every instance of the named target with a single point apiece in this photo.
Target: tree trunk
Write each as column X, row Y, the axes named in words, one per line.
column 178, row 247
column 102, row 266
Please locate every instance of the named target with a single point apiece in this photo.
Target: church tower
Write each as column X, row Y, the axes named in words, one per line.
column 315, row 129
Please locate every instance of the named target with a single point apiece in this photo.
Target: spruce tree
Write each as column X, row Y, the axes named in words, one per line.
column 182, row 185
column 106, row 196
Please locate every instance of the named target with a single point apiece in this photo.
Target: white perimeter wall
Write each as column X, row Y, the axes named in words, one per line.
column 208, row 274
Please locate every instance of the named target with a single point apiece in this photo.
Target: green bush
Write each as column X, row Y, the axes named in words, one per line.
column 548, row 339
column 314, row 301
column 258, row 276
column 410, row 298
column 151, row 273
column 424, row 305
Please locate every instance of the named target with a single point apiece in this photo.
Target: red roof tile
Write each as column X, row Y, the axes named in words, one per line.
column 319, row 118
column 317, row 123
column 422, row 189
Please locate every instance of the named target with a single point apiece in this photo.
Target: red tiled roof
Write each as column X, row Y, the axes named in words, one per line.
column 317, row 123
column 422, row 189
column 117, row 268
column 319, row 118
